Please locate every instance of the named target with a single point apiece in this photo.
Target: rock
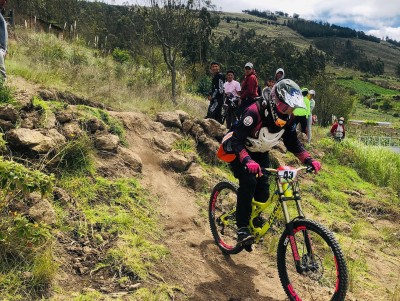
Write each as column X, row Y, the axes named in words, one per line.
column 61, row 195
column 213, row 128
column 6, row 125
column 106, row 142
column 208, row 150
column 9, row 113
column 183, row 116
column 169, row 119
column 44, row 212
column 176, row 161
column 187, row 126
column 195, row 177
column 56, row 136
column 64, row 116
column 25, row 100
column 196, row 130
column 48, row 95
column 130, row 158
column 49, row 120
column 93, row 125
column 72, row 130
column 30, row 139
column 30, row 120
column 165, row 140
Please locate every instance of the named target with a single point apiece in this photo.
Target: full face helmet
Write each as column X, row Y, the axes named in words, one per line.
column 287, row 96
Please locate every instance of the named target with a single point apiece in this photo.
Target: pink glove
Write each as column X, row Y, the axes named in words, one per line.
column 316, row 165
column 253, row 167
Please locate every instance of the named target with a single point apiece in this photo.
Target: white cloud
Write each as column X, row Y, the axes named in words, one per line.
column 375, row 17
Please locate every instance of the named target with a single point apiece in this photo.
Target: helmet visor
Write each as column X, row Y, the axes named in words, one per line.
column 289, row 93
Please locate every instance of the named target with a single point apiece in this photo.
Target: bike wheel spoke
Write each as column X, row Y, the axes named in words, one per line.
column 322, row 275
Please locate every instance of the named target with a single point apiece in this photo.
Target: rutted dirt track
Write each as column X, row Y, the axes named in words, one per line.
column 195, row 263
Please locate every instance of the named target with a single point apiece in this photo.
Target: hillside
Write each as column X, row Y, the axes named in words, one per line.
column 127, row 219
column 389, row 54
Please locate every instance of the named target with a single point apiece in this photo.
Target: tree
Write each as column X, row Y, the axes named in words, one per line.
column 331, row 100
column 175, row 24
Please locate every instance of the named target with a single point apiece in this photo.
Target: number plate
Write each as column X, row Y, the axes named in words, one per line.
column 287, row 175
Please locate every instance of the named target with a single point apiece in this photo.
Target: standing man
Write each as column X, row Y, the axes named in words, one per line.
column 301, row 114
column 249, row 88
column 3, row 40
column 216, row 96
column 310, row 117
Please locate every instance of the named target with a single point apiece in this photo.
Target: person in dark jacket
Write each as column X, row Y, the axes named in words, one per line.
column 260, row 128
column 249, row 88
column 216, row 95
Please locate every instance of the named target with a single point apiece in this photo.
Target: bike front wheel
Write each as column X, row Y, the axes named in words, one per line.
column 222, row 216
column 321, row 274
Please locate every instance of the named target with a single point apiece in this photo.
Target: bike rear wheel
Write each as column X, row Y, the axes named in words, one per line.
column 222, row 217
column 323, row 273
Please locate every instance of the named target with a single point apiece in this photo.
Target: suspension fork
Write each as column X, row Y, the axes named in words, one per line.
column 289, row 225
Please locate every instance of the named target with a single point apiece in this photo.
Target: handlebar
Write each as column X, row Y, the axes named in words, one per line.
column 266, row 170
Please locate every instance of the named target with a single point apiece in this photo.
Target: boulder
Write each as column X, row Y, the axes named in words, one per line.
column 71, row 130
column 49, row 120
column 165, row 140
column 93, row 125
column 30, row 120
column 106, row 142
column 61, row 196
column 30, row 139
column 130, row 158
column 208, row 150
column 55, row 136
column 182, row 115
column 196, row 130
column 64, row 116
column 9, row 113
column 6, row 125
column 43, row 212
column 187, row 126
column 169, row 119
column 176, row 161
column 195, row 177
column 213, row 128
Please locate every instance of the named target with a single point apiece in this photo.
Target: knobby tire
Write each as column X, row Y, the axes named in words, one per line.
column 326, row 275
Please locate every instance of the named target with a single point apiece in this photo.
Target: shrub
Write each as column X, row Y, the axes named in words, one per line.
column 76, row 156
column 121, row 56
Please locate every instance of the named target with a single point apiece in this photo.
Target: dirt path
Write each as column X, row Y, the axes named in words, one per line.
column 195, row 262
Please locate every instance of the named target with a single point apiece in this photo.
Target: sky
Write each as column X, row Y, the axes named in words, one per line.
column 379, row 18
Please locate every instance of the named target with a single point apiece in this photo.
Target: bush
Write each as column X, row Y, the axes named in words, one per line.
column 5, row 93
column 76, row 156
column 120, row 55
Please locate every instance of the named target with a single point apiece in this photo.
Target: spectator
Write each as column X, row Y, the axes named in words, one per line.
column 249, row 88
column 216, row 96
column 338, row 131
column 301, row 114
column 3, row 40
column 231, row 86
column 270, row 83
column 279, row 74
column 310, row 117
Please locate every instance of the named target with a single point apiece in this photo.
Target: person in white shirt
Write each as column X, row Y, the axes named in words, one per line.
column 232, row 92
column 231, row 86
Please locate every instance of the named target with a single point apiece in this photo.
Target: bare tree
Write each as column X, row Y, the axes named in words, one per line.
column 176, row 23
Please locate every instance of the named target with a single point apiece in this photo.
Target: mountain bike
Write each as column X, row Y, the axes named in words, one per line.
column 310, row 263
column 228, row 110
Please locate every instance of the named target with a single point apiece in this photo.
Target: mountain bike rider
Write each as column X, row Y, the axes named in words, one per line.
column 259, row 129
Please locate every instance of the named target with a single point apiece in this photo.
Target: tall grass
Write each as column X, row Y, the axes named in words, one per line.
column 138, row 84
column 378, row 165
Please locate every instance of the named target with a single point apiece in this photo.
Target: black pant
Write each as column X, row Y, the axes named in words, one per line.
column 249, row 187
column 214, row 109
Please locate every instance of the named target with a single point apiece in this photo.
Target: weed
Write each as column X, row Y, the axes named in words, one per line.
column 76, row 157
column 185, row 144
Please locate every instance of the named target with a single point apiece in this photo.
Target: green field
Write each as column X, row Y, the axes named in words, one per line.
column 364, row 88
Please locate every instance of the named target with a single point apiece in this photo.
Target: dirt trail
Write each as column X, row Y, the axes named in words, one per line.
column 195, row 262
